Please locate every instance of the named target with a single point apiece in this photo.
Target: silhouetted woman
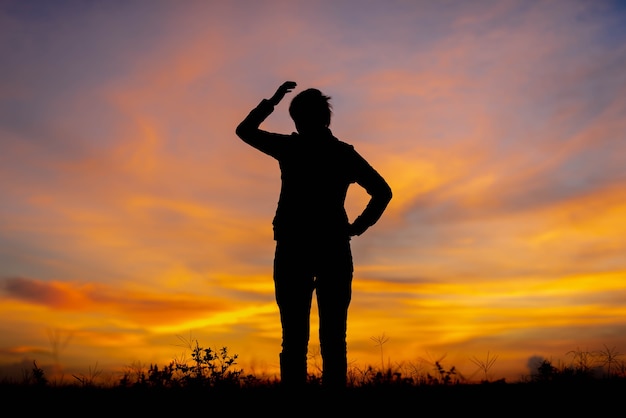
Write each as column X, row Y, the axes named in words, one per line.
column 312, row 230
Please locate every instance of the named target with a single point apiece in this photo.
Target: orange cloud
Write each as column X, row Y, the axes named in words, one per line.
column 141, row 307
column 53, row 294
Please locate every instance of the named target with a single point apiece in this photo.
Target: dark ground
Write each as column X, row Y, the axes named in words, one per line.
column 498, row 399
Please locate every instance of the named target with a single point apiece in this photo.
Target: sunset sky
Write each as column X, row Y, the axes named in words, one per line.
column 132, row 218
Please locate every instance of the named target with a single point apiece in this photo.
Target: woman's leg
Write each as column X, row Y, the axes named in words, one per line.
column 294, row 291
column 334, row 292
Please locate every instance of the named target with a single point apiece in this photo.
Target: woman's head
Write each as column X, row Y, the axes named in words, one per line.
column 310, row 110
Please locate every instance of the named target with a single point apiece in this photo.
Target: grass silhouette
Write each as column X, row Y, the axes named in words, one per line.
column 209, row 380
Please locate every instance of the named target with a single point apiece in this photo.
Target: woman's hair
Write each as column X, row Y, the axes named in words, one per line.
column 310, row 109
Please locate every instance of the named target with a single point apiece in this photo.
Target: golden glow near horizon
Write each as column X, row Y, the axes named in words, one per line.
column 132, row 216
